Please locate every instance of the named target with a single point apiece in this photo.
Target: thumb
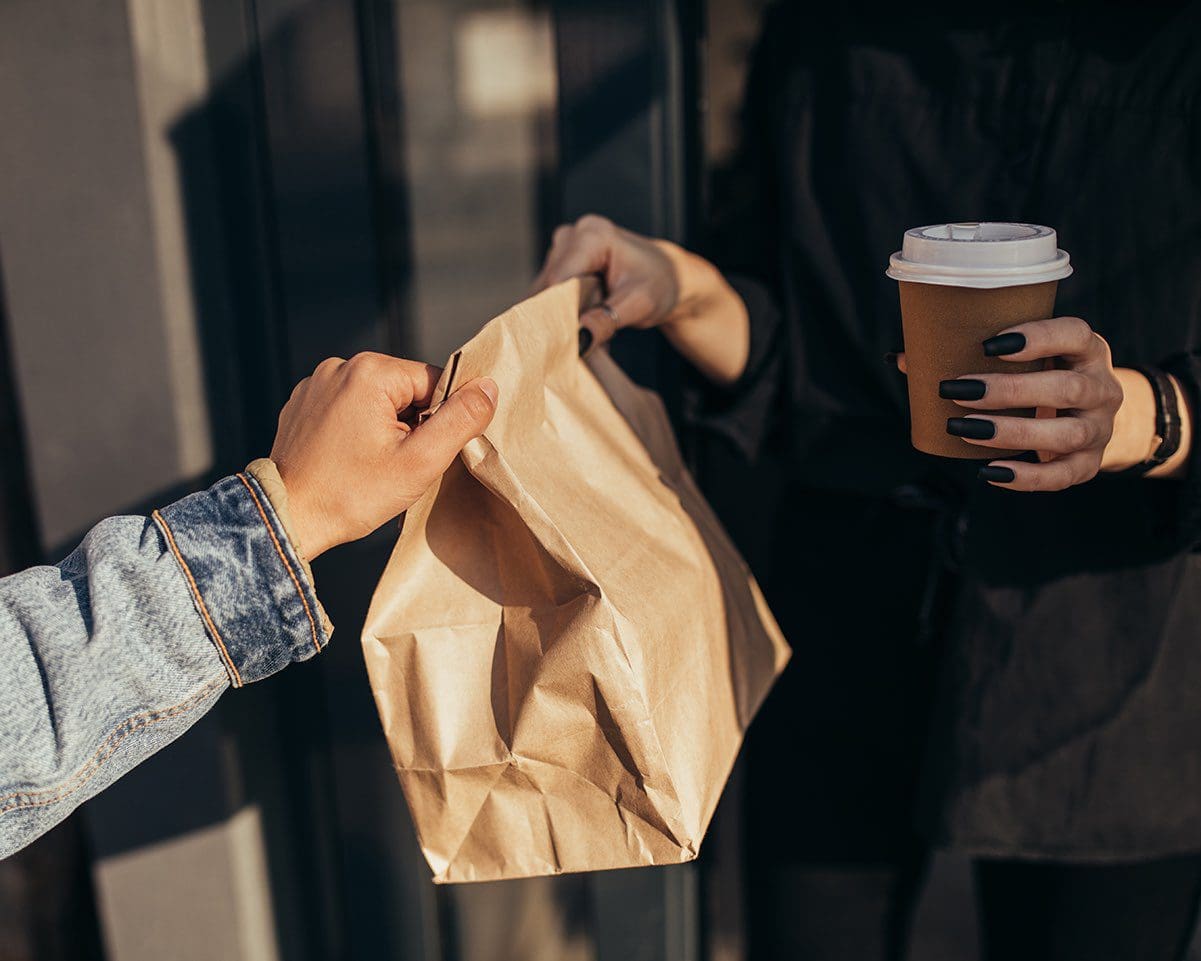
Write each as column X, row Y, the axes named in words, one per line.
column 431, row 446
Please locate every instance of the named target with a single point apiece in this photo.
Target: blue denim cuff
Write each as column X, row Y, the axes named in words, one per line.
column 246, row 581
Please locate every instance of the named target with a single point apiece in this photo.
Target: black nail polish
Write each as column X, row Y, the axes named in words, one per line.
column 1004, row 344
column 1001, row 475
column 585, row 340
column 891, row 358
column 975, row 428
column 963, row 389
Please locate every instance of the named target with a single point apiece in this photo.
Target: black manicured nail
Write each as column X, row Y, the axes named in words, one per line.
column 975, row 428
column 963, row 389
column 891, row 358
column 1004, row 344
column 1001, row 475
column 585, row 340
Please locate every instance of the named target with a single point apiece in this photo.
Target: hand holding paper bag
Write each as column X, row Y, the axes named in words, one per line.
column 565, row 648
column 348, row 455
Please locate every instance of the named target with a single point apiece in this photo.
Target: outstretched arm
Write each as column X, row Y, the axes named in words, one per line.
column 116, row 651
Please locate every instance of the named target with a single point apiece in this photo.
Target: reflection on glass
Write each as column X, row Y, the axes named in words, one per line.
column 478, row 87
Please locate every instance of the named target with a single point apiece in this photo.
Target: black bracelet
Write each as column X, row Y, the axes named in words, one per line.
column 1167, row 421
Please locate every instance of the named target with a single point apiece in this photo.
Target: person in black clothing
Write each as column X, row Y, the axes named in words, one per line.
column 1014, row 676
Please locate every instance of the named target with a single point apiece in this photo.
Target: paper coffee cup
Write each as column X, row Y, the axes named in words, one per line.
column 961, row 284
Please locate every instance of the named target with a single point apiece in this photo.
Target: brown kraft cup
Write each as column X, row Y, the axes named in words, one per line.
column 945, row 328
column 961, row 284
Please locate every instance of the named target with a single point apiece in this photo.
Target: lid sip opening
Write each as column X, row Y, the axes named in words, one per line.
column 979, row 254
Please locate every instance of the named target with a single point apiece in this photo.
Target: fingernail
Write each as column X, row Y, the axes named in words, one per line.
column 585, row 340
column 1001, row 475
column 963, row 389
column 1004, row 344
column 975, row 428
column 891, row 358
column 488, row 386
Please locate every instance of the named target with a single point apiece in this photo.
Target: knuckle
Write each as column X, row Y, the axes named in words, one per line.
column 1077, row 433
column 561, row 235
column 1055, row 477
column 594, row 223
column 1075, row 389
column 1036, row 479
column 1019, row 432
column 1086, row 471
column 1002, row 391
column 1114, row 395
column 364, row 365
column 1078, row 330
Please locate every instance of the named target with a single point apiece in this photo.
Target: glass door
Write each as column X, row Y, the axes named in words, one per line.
column 239, row 190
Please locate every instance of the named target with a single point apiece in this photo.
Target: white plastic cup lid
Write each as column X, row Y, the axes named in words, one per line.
column 983, row 255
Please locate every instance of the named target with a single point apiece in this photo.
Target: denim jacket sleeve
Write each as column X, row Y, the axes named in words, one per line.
column 120, row 648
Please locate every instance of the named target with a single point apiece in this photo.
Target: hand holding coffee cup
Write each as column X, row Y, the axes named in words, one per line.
column 1081, row 388
column 975, row 303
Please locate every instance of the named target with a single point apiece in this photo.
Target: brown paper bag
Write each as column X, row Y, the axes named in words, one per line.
column 565, row 648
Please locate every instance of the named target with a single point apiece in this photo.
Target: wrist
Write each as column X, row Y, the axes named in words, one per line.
column 301, row 521
column 1135, row 436
column 312, row 537
column 698, row 284
column 708, row 324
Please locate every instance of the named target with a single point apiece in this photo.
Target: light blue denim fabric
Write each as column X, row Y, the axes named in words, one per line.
column 115, row 652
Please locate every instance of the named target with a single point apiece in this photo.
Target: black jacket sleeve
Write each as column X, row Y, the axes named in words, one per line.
column 1186, row 368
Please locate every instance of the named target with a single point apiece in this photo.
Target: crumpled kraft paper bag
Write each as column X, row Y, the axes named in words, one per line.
column 565, row 647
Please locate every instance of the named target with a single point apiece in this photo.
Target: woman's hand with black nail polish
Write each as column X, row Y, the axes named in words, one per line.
column 652, row 283
column 639, row 276
column 1082, row 389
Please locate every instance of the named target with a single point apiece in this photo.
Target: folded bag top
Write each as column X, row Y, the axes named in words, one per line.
column 565, row 648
